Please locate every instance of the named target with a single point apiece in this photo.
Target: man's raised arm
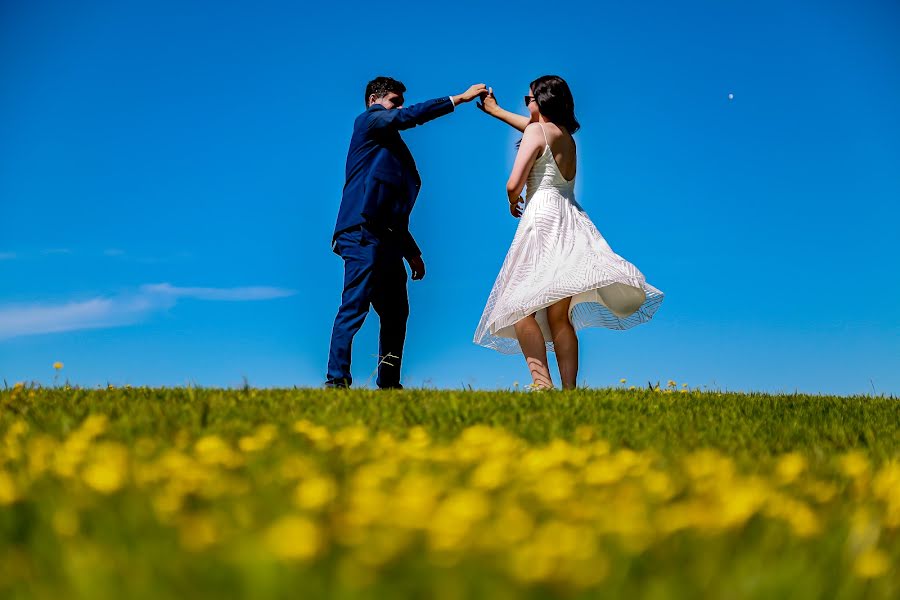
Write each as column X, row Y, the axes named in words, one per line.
column 422, row 112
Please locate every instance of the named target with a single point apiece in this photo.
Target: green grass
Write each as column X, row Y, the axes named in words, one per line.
column 122, row 546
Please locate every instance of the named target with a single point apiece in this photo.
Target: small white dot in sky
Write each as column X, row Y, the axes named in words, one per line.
column 730, row 96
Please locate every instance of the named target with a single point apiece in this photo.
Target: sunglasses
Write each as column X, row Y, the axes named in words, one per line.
column 529, row 100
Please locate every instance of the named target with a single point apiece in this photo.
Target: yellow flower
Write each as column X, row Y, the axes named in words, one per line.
column 57, row 365
column 854, row 464
column 260, row 440
column 93, row 426
column 789, row 467
column 108, row 471
column 513, row 524
column 622, row 380
column 293, row 538
column 871, row 563
column 315, row 492
column 8, row 493
column 887, row 482
column 491, row 474
column 555, row 485
column 213, row 450
column 455, row 517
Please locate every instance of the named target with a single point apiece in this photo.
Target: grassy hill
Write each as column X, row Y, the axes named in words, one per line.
column 144, row 493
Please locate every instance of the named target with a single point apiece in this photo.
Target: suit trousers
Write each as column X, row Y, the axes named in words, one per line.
column 374, row 274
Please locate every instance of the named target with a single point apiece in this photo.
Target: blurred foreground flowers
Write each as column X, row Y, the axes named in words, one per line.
column 562, row 514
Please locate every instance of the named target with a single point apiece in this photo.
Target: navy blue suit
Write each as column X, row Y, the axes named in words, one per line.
column 372, row 234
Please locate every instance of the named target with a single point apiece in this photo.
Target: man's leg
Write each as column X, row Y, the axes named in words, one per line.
column 390, row 301
column 359, row 266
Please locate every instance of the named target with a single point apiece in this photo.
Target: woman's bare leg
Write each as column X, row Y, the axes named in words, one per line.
column 565, row 342
column 535, row 350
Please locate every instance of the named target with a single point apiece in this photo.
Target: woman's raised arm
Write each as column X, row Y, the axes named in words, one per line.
column 489, row 106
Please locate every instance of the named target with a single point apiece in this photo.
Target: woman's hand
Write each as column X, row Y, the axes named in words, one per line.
column 489, row 103
column 515, row 208
column 490, row 107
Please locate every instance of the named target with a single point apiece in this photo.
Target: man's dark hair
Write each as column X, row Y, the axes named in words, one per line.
column 381, row 86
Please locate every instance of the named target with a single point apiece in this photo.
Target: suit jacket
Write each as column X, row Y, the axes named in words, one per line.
column 382, row 182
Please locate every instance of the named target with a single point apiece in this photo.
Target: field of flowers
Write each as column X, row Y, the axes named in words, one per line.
column 196, row 493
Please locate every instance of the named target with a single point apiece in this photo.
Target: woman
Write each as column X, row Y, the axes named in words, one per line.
column 559, row 275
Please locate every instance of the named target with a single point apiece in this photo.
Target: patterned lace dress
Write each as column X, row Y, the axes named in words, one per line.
column 558, row 253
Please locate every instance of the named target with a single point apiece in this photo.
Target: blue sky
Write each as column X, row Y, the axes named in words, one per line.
column 170, row 174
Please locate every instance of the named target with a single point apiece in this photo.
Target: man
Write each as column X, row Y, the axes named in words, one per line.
column 372, row 232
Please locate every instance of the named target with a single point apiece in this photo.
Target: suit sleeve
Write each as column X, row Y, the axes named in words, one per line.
column 410, row 248
column 410, row 116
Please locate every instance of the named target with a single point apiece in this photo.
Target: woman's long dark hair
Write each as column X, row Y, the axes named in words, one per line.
column 554, row 100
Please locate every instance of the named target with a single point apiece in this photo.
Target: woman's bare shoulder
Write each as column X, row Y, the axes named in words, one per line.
column 533, row 129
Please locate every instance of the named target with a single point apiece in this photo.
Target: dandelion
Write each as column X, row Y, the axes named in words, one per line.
column 789, row 467
column 293, row 538
column 107, row 473
column 871, row 563
column 8, row 493
column 854, row 464
column 213, row 450
column 315, row 492
column 622, row 380
column 57, row 366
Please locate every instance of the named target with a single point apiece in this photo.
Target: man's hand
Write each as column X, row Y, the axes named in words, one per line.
column 488, row 102
column 417, row 265
column 479, row 89
column 515, row 208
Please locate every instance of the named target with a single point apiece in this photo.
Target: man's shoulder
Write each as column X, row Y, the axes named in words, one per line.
column 363, row 118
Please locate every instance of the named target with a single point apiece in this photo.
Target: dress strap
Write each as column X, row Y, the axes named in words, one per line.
column 546, row 141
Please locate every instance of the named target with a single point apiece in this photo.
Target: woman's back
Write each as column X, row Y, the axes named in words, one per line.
column 562, row 146
column 555, row 166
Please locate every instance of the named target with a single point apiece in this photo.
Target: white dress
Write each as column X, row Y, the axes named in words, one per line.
column 558, row 253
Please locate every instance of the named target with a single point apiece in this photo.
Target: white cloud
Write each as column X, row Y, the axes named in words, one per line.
column 199, row 293
column 124, row 309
